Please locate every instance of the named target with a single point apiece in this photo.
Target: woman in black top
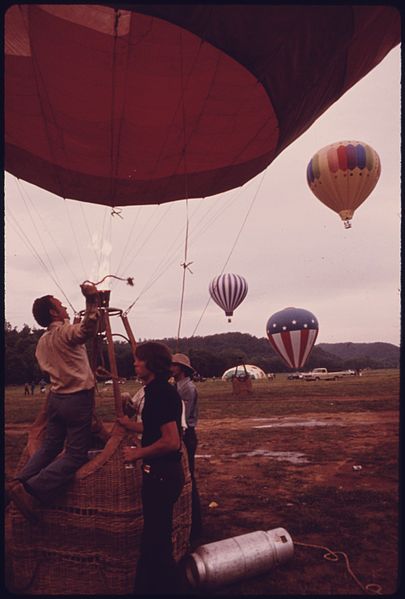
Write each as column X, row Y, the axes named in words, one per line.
column 163, row 476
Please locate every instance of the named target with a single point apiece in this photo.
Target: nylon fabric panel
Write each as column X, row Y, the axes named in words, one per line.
column 307, row 341
column 105, row 114
column 295, row 48
column 295, row 338
column 287, row 342
column 109, row 119
column 228, row 291
column 277, row 342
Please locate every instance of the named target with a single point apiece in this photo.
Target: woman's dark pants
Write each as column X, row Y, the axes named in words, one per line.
column 156, row 569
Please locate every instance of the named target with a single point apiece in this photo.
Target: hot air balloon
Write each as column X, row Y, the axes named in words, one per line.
column 228, row 291
column 342, row 175
column 148, row 103
column 292, row 333
column 125, row 105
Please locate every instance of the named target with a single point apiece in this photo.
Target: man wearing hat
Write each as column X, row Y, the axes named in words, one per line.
column 182, row 372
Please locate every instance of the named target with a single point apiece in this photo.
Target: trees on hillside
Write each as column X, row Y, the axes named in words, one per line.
column 210, row 355
column 20, row 363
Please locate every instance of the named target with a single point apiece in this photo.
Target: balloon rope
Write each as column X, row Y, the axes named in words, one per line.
column 233, row 247
column 147, row 235
column 333, row 556
column 30, row 246
column 88, row 230
column 113, row 150
column 185, row 264
column 244, row 221
column 24, row 195
column 73, row 229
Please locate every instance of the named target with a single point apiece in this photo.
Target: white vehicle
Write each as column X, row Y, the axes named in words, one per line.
column 109, row 382
column 322, row 374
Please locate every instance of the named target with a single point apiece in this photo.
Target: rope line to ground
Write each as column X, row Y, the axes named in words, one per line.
column 233, row 246
column 30, row 208
column 333, row 556
column 30, row 246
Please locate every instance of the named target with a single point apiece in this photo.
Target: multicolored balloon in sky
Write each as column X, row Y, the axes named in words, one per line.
column 292, row 332
column 228, row 291
column 342, row 175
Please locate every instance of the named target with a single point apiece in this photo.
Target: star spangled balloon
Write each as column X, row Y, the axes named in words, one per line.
column 228, row 291
column 292, row 332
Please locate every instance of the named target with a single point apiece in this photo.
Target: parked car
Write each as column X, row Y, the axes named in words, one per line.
column 323, row 374
column 294, row 376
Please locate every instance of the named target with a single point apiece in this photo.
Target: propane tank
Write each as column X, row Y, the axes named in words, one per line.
column 224, row 562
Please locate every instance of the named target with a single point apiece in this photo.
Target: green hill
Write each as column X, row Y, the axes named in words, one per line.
column 386, row 354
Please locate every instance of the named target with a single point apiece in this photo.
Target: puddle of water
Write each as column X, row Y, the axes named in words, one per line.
column 299, row 423
column 203, row 455
column 281, row 456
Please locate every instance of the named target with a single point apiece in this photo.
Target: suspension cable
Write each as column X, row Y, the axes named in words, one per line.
column 129, row 238
column 73, row 229
column 25, row 196
column 147, row 236
column 31, row 247
column 169, row 259
column 185, row 264
column 233, row 247
column 52, row 268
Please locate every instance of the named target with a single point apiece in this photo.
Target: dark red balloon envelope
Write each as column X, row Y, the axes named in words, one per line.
column 140, row 104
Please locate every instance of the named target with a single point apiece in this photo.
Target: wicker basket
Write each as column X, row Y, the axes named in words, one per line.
column 88, row 541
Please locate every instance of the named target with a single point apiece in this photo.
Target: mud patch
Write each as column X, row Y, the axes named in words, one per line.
column 294, row 423
column 294, row 457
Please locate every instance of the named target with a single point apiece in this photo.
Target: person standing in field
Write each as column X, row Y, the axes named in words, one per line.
column 162, row 471
column 62, row 354
column 182, row 372
column 26, row 389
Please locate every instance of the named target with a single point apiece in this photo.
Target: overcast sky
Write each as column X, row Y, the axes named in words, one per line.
column 292, row 250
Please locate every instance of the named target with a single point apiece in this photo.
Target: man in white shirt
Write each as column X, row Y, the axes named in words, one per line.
column 61, row 353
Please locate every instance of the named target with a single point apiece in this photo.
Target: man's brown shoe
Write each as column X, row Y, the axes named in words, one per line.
column 23, row 501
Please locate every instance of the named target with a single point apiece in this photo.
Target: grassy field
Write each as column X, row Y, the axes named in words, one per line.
column 319, row 459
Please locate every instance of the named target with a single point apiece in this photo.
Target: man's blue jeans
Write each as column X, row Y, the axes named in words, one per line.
column 69, row 418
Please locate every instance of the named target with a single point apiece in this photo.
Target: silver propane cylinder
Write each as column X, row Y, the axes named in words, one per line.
column 224, row 562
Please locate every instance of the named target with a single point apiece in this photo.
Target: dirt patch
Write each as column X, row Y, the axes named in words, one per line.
column 327, row 473
column 328, row 479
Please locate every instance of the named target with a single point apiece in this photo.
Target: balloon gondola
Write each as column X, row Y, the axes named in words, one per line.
column 342, row 175
column 88, row 539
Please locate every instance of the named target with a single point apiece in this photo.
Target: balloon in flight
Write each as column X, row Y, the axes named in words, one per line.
column 292, row 333
column 228, row 291
column 342, row 175
column 149, row 103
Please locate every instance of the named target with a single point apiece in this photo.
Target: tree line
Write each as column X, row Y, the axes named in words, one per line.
column 210, row 355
